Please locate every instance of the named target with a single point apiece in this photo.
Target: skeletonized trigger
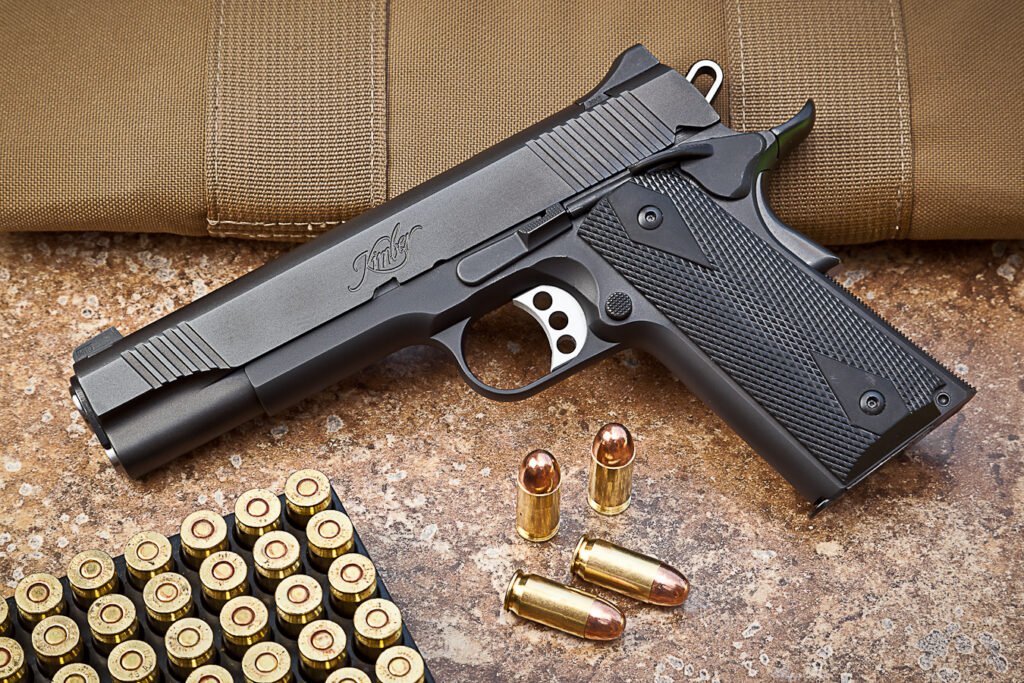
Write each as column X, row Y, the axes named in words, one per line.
column 560, row 316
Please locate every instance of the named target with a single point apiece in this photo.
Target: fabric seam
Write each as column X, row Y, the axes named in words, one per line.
column 905, row 146
column 743, row 72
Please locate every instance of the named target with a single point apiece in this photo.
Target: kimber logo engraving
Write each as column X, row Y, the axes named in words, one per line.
column 388, row 254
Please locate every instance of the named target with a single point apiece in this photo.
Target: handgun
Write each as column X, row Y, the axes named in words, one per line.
column 634, row 218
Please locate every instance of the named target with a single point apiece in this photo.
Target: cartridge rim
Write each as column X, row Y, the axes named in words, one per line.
column 168, row 597
column 578, row 562
column 348, row 675
column 299, row 599
column 112, row 619
column 203, row 533
column 352, row 578
column 400, row 664
column 147, row 554
column 38, row 596
column 330, row 534
column 210, row 673
column 57, row 641
column 91, row 573
column 257, row 511
column 244, row 621
column 518, row 579
column 306, row 492
column 276, row 554
column 5, row 618
column 133, row 661
column 189, row 643
column 224, row 575
column 76, row 673
column 267, row 662
column 12, row 660
column 377, row 624
column 322, row 646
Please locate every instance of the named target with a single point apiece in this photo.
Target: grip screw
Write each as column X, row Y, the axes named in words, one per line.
column 650, row 217
column 872, row 402
column 618, row 306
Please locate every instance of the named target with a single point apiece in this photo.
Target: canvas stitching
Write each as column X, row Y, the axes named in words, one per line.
column 902, row 115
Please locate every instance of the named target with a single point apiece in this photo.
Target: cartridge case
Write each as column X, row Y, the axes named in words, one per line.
column 306, row 492
column 38, row 596
column 133, row 661
column 112, row 620
column 76, row 673
column 211, row 673
column 561, row 607
column 145, row 555
column 244, row 621
column 5, row 618
column 377, row 625
column 348, row 675
column 276, row 555
column 538, row 497
column 13, row 668
column 203, row 533
column 610, row 482
column 168, row 598
column 321, row 646
column 400, row 664
column 91, row 574
column 223, row 576
column 56, row 641
column 352, row 579
column 189, row 644
column 267, row 663
column 329, row 535
column 630, row 573
column 299, row 600
column 257, row 512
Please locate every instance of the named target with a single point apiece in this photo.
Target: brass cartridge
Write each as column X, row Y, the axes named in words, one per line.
column 610, row 483
column 630, row 573
column 267, row 663
column 244, row 621
column 348, row 675
column 276, row 555
column 537, row 496
column 189, row 645
column 321, row 646
column 76, row 673
column 168, row 598
column 38, row 596
column 400, row 664
column 12, row 661
column 211, row 673
column 56, row 641
column 352, row 579
column 257, row 512
column 299, row 600
column 306, row 492
column 133, row 661
column 203, row 533
column 112, row 620
column 5, row 618
column 377, row 625
column 145, row 555
column 561, row 607
column 329, row 535
column 91, row 574
column 222, row 576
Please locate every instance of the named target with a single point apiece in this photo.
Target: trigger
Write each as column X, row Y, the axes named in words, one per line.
column 804, row 248
column 560, row 316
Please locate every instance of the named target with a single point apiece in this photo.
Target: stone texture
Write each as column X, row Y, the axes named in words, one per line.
column 915, row 576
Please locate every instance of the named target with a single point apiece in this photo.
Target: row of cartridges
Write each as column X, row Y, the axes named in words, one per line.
column 247, row 627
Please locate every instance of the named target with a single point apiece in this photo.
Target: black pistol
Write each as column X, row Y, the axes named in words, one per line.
column 632, row 218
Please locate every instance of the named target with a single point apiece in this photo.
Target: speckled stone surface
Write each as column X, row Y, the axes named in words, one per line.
column 915, row 576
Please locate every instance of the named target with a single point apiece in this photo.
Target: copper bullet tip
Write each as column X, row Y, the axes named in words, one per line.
column 605, row 622
column 539, row 473
column 669, row 588
column 613, row 445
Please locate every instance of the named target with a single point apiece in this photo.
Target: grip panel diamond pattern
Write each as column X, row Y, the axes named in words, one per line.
column 761, row 318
